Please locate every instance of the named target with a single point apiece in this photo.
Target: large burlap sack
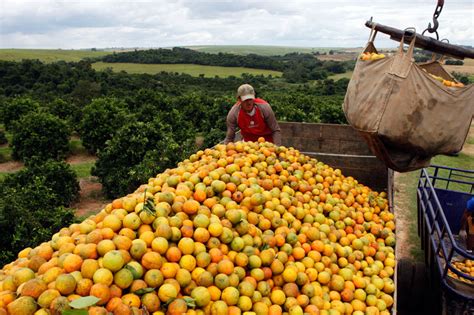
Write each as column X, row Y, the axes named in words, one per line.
column 406, row 115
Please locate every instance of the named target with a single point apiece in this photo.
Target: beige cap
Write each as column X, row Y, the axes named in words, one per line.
column 245, row 92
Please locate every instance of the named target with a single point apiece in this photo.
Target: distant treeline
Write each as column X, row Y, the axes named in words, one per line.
column 296, row 67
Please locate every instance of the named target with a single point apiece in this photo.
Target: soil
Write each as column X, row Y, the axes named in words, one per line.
column 10, row 167
column 404, row 218
column 91, row 199
column 80, row 158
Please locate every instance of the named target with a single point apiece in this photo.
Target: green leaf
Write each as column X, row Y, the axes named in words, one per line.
column 84, row 302
column 144, row 291
column 190, row 302
column 74, row 312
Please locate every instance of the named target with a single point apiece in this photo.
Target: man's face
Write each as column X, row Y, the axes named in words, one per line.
column 247, row 105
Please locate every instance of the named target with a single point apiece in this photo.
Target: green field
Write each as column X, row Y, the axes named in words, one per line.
column 338, row 76
column 82, row 170
column 49, row 55
column 194, row 70
column 259, row 50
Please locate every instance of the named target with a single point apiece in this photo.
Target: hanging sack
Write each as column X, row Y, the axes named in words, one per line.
column 406, row 115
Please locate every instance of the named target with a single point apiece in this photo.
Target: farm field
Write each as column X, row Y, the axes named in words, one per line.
column 49, row 55
column 194, row 70
column 338, row 76
column 259, row 50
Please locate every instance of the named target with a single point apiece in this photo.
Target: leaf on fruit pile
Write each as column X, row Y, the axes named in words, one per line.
column 84, row 302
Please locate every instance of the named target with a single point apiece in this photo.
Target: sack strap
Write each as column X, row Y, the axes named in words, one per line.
column 409, row 52
column 441, row 59
column 373, row 32
column 402, row 61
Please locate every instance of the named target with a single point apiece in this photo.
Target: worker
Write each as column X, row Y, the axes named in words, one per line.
column 466, row 232
column 253, row 116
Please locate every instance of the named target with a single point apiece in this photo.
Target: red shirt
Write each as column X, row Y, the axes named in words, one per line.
column 254, row 126
column 262, row 123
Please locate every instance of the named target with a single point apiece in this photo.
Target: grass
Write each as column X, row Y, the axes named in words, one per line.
column 82, row 169
column 259, row 50
column 338, row 76
column 49, row 55
column 5, row 154
column 410, row 179
column 75, row 146
column 194, row 70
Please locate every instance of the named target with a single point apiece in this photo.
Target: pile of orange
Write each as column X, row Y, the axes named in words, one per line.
column 243, row 228
column 365, row 56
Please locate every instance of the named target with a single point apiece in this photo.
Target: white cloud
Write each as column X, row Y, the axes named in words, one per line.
column 161, row 23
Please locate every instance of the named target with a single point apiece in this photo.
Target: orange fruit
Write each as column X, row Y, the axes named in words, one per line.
column 177, row 307
column 201, row 296
column 167, row 292
column 131, row 300
column 101, row 291
column 190, row 206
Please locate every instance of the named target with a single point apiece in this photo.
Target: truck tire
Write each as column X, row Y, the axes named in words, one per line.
column 420, row 289
column 412, row 289
column 405, row 270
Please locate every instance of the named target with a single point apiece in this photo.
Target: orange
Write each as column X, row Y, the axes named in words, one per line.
column 151, row 302
column 33, row 288
column 101, row 291
column 177, row 307
column 167, row 292
column 83, row 286
column 230, row 295
column 201, row 296
column 131, row 300
column 151, row 260
column 173, row 254
column 190, row 206
column 65, row 284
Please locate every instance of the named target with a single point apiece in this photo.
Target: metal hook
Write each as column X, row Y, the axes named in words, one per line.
column 436, row 14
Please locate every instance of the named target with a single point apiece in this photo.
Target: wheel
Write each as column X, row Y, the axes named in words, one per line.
column 420, row 288
column 405, row 270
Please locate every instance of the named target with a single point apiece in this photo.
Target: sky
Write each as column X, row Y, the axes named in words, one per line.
column 78, row 24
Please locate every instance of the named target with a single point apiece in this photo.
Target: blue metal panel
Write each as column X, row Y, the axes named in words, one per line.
column 453, row 204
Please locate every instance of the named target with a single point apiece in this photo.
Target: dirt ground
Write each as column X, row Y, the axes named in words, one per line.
column 91, row 199
column 403, row 218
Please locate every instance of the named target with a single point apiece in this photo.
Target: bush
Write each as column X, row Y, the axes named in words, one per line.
column 101, row 120
column 332, row 113
column 29, row 215
column 14, row 109
column 67, row 111
column 57, row 176
column 454, row 62
column 464, row 79
column 42, row 135
column 213, row 137
column 137, row 152
column 3, row 137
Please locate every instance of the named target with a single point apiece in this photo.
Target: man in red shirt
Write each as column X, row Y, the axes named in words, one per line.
column 253, row 116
